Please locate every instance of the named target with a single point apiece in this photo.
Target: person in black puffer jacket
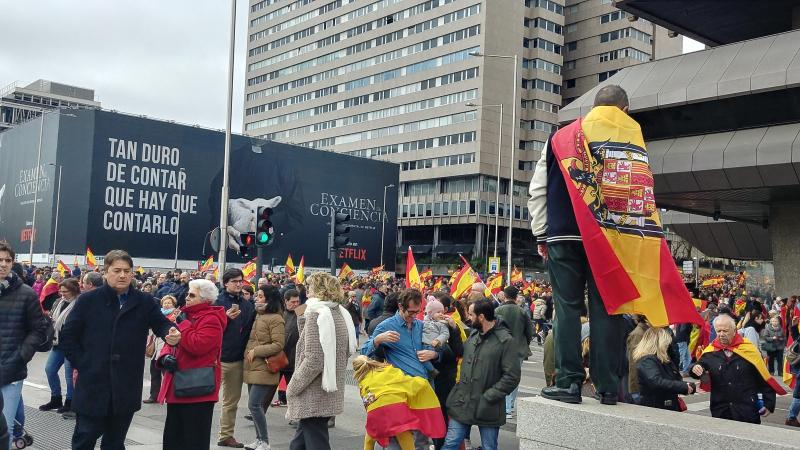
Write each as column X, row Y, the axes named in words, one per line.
column 23, row 328
column 660, row 382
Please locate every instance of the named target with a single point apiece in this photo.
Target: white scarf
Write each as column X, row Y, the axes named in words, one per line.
column 327, row 338
column 61, row 314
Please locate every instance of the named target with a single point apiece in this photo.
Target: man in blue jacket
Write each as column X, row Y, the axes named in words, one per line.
column 104, row 338
column 241, row 314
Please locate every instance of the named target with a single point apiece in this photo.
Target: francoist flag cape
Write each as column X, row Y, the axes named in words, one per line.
column 605, row 166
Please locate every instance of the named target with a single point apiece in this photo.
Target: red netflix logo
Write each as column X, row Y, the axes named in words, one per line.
column 26, row 234
column 358, row 254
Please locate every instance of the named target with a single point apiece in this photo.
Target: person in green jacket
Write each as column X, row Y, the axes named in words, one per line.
column 490, row 371
column 521, row 329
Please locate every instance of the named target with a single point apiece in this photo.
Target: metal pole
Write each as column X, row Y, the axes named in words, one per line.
column 383, row 220
column 223, row 219
column 178, row 226
column 259, row 262
column 58, row 205
column 497, row 196
column 36, row 188
column 332, row 242
column 512, row 166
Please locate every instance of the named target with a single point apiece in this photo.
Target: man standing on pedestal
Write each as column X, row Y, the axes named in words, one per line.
column 597, row 226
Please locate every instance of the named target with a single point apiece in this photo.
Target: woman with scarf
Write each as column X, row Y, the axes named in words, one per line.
column 327, row 339
column 69, row 291
column 266, row 339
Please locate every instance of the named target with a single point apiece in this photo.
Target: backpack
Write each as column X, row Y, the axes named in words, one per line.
column 50, row 333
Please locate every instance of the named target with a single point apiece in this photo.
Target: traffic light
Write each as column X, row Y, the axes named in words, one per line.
column 339, row 229
column 264, row 231
column 248, row 240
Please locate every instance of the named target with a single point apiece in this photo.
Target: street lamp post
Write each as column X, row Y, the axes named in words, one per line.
column 58, row 206
column 499, row 157
column 512, row 164
column 223, row 219
column 383, row 218
column 178, row 225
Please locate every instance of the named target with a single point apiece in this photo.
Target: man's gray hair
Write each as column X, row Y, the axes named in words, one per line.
column 611, row 95
column 93, row 278
column 724, row 318
column 207, row 290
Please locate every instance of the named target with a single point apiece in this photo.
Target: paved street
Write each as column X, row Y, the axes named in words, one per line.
column 51, row 432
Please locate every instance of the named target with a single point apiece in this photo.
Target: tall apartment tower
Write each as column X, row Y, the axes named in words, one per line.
column 600, row 40
column 393, row 79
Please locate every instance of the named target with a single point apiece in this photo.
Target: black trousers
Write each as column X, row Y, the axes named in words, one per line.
column 113, row 429
column 312, row 434
column 188, row 426
column 282, row 394
column 155, row 380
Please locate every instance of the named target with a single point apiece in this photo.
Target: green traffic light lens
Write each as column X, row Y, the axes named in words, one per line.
column 263, row 238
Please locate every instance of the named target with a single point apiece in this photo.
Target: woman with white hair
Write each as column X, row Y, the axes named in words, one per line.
column 327, row 339
column 192, row 370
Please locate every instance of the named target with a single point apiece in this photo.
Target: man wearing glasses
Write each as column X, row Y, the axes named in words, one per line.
column 241, row 314
column 400, row 338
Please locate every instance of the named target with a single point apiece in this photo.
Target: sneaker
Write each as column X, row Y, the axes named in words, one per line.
column 572, row 394
column 792, row 422
column 256, row 445
column 66, row 408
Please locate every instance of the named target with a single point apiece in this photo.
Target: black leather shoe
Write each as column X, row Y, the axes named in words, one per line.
column 572, row 394
column 606, row 398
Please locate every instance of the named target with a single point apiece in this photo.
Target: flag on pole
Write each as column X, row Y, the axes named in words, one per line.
column 216, row 273
column 412, row 275
column 345, row 272
column 301, row 270
column 438, row 284
column 516, row 275
column 62, row 268
column 207, row 264
column 90, row 261
column 494, row 284
column 140, row 270
column 426, row 275
column 463, row 281
column 605, row 164
column 376, row 270
column 289, row 265
column 249, row 269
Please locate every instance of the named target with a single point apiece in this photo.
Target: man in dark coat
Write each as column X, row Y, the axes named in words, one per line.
column 521, row 329
column 104, row 338
column 376, row 303
column 489, row 372
column 22, row 329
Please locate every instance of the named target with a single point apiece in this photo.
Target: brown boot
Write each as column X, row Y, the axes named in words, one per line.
column 792, row 422
column 230, row 442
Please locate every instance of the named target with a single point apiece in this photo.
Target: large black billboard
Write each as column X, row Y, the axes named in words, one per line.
column 152, row 182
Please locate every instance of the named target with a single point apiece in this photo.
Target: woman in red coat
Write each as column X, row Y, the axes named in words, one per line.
column 188, row 424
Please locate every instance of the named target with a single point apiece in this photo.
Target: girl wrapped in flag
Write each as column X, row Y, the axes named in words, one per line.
column 396, row 405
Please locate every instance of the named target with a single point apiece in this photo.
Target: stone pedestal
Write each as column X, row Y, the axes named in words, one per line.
column 784, row 230
column 547, row 424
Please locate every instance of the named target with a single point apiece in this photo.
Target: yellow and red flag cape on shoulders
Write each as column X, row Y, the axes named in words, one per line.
column 749, row 353
column 605, row 166
column 50, row 287
column 397, row 402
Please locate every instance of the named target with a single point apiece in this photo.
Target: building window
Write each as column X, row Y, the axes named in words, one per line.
column 603, row 76
column 612, row 16
column 568, row 84
column 545, row 4
column 571, row 46
column 569, row 65
column 625, row 33
column 541, row 85
column 526, row 165
column 571, row 28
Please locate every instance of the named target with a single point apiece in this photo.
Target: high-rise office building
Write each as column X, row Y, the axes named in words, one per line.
column 600, row 39
column 394, row 79
column 22, row 103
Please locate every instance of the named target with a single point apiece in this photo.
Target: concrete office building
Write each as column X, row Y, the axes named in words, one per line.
column 391, row 79
column 600, row 39
column 19, row 104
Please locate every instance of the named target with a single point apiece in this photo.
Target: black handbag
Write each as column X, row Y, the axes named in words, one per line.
column 195, row 382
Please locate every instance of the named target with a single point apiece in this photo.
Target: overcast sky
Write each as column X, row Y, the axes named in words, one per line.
column 165, row 59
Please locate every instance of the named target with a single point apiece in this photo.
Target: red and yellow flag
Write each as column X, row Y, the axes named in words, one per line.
column 249, row 270
column 438, row 284
column 62, row 268
column 207, row 264
column 345, row 272
column 516, row 275
column 289, row 265
column 301, row 270
column 494, row 284
column 90, row 261
column 412, row 275
column 749, row 353
column 376, row 270
column 462, row 281
column 604, row 161
column 426, row 275
column 49, row 288
column 397, row 402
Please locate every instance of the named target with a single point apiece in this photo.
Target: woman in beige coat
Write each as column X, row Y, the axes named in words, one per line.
column 266, row 339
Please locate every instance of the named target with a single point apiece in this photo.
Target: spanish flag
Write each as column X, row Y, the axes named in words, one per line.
column 412, row 275
column 301, row 270
column 207, row 264
column 289, row 264
column 249, row 269
column 462, row 281
column 516, row 276
column 62, row 268
column 605, row 164
column 376, row 270
column 494, row 284
column 438, row 284
column 426, row 275
column 140, row 270
column 397, row 402
column 786, row 317
column 749, row 353
column 345, row 272
column 50, row 287
column 90, row 261
column 698, row 340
